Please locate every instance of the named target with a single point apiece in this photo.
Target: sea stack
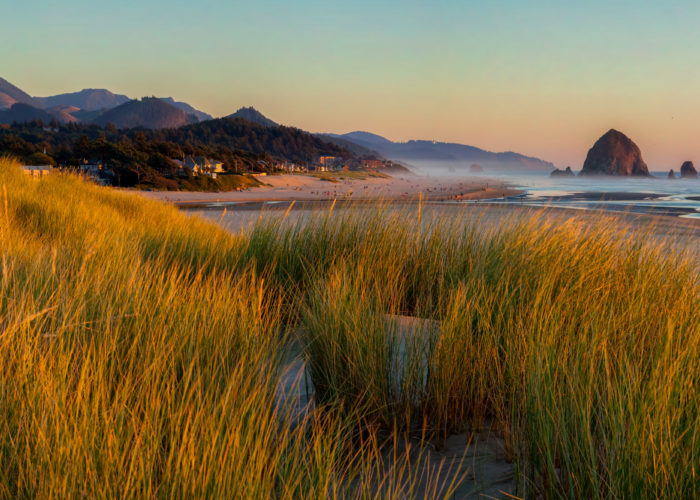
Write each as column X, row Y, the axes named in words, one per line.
column 562, row 173
column 671, row 174
column 688, row 171
column 615, row 154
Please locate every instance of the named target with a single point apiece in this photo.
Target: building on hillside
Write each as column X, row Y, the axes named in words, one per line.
column 290, row 167
column 90, row 167
column 327, row 161
column 201, row 165
column 210, row 166
column 374, row 164
column 95, row 171
column 37, row 171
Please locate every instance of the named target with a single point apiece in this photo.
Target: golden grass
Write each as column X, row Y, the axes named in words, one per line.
column 140, row 350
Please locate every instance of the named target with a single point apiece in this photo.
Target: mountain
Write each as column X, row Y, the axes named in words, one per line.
column 366, row 138
column 86, row 99
column 253, row 115
column 14, row 94
column 21, row 112
column 87, row 116
column 6, row 101
column 201, row 115
column 64, row 113
column 149, row 112
column 434, row 153
column 353, row 147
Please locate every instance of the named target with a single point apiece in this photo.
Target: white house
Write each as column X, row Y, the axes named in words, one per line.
column 201, row 165
column 37, row 171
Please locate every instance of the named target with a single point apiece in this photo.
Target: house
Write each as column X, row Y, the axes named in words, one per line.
column 91, row 167
column 95, row 171
column 288, row 166
column 201, row 165
column 373, row 164
column 327, row 161
column 209, row 166
column 37, row 171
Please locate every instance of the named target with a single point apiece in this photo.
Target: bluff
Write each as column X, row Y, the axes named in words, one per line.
column 614, row 154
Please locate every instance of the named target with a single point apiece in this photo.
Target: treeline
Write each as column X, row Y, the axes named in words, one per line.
column 288, row 143
column 140, row 156
column 130, row 157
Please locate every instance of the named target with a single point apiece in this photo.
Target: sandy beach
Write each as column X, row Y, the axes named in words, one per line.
column 290, row 187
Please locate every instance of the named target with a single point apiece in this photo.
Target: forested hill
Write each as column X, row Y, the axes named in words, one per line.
column 149, row 112
column 238, row 143
column 235, row 133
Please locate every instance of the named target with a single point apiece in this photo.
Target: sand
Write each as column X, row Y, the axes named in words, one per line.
column 290, row 187
column 477, row 460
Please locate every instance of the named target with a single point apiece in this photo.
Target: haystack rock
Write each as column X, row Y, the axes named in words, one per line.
column 671, row 174
column 688, row 171
column 614, row 154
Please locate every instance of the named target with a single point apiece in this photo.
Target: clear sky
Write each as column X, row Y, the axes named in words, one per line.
column 545, row 78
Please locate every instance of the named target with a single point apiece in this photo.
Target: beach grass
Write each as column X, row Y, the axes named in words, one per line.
column 141, row 350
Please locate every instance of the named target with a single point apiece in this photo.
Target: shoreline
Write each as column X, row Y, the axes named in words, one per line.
column 302, row 188
column 240, row 217
column 308, row 192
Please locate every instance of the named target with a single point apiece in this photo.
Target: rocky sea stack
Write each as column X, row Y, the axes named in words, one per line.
column 671, row 174
column 614, row 154
column 688, row 171
column 562, row 173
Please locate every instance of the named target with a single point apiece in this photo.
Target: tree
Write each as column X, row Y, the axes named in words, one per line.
column 81, row 148
column 163, row 164
column 40, row 159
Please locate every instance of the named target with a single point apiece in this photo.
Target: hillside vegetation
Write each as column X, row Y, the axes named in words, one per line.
column 238, row 133
column 144, row 156
column 141, row 350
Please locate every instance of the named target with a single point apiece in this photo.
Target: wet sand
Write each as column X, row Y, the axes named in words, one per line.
column 489, row 214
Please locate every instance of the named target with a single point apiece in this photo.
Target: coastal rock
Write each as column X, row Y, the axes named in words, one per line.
column 475, row 168
column 614, row 154
column 688, row 171
column 671, row 174
column 562, row 173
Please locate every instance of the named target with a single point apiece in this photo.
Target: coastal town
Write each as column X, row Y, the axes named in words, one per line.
column 195, row 166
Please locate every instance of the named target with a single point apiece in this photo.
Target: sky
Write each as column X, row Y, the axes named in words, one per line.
column 544, row 78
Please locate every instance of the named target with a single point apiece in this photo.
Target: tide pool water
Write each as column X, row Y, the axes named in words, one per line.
column 655, row 194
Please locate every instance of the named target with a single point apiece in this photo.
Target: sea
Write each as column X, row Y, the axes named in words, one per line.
column 653, row 195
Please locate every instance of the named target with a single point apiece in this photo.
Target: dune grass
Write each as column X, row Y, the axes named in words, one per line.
column 140, row 350
column 579, row 343
column 140, row 355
